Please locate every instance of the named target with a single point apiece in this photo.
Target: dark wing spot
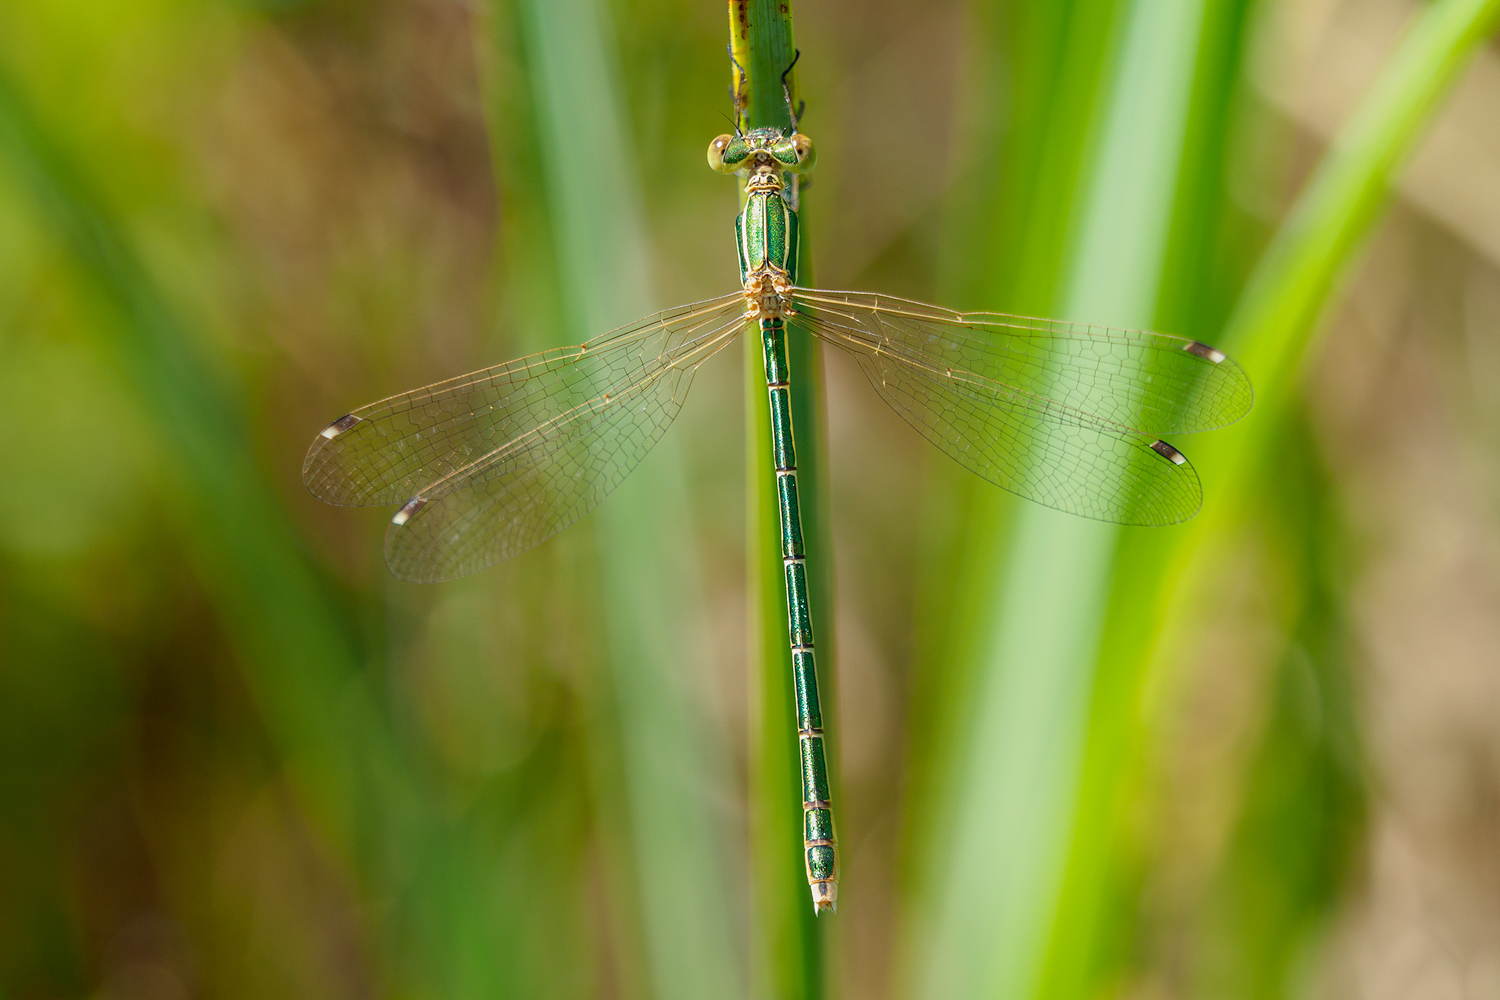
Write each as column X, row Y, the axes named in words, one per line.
column 1204, row 351
column 1168, row 452
column 339, row 426
column 408, row 510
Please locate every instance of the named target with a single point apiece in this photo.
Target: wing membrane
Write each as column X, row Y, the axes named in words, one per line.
column 493, row 463
column 1016, row 411
column 1153, row 383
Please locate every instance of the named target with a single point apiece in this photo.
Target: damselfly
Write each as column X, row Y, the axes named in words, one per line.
column 488, row 465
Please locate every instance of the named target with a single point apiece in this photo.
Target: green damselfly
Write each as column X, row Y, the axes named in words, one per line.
column 491, row 464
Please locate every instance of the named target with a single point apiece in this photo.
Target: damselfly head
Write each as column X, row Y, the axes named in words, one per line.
column 763, row 148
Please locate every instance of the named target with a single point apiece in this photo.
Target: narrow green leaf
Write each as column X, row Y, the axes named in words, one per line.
column 1092, row 936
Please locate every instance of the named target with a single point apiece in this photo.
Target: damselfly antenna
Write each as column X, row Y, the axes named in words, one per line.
column 786, row 90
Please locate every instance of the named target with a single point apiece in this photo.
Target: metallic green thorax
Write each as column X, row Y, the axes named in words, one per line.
column 766, row 233
column 766, row 236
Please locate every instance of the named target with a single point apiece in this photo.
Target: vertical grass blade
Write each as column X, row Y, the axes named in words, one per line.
column 1299, row 838
column 789, row 953
column 653, row 609
column 1097, row 910
column 1016, row 781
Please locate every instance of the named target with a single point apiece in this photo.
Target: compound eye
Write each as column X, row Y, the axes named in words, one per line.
column 807, row 156
column 716, row 154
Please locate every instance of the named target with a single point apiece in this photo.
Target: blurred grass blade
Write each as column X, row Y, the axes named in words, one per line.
column 1269, row 333
column 1297, row 843
column 1016, row 783
column 1097, row 910
column 298, row 653
column 1270, row 327
column 296, row 650
column 655, row 619
column 1272, row 330
column 1273, row 324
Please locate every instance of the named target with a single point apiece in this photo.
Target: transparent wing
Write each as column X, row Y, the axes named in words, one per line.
column 1153, row 383
column 1046, row 410
column 493, row 463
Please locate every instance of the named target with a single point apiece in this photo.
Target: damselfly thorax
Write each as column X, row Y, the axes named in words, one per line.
column 766, row 230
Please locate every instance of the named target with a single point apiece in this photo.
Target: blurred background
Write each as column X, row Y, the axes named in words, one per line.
column 1254, row 756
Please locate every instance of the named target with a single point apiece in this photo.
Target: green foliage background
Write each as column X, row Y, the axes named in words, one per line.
column 237, row 759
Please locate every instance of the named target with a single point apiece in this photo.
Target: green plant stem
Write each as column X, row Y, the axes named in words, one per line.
column 789, row 950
